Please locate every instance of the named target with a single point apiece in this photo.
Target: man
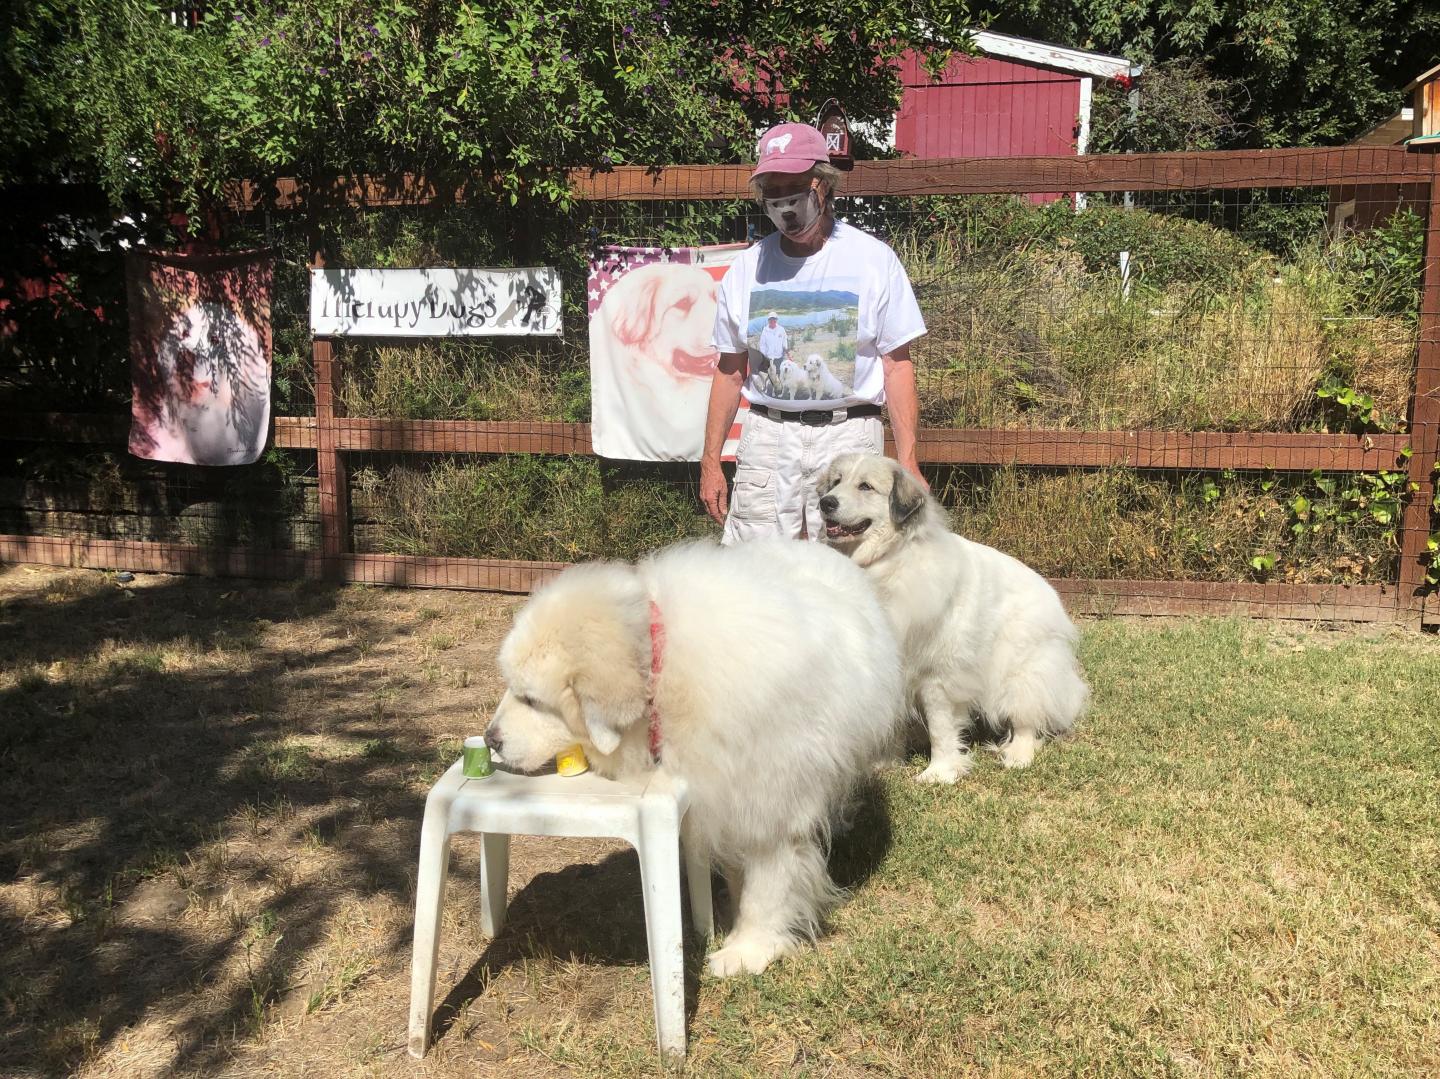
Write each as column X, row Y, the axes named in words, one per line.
column 774, row 343
column 858, row 316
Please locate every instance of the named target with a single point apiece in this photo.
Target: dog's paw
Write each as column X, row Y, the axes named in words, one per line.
column 749, row 954
column 951, row 771
column 1018, row 752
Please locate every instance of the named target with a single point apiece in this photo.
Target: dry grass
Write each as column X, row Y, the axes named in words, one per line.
column 1120, row 523
column 1030, row 338
column 461, row 380
column 564, row 509
column 212, row 795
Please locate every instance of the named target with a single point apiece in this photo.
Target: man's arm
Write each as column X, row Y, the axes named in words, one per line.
column 719, row 416
column 903, row 401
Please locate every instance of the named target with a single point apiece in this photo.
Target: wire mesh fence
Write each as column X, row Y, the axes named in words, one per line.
column 1201, row 390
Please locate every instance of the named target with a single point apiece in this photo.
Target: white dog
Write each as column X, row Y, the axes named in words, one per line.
column 980, row 632
column 820, row 383
column 770, row 754
column 787, row 380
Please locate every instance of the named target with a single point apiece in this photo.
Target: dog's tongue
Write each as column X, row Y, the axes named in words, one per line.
column 697, row 366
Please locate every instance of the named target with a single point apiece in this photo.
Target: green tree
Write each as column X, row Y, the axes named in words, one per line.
column 113, row 91
column 1300, row 72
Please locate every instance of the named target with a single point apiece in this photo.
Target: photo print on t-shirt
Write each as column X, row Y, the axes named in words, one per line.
column 802, row 342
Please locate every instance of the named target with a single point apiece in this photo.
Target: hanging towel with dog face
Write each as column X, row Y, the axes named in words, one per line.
column 199, row 355
column 652, row 310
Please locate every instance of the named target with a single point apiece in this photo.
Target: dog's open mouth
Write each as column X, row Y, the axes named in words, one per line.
column 835, row 530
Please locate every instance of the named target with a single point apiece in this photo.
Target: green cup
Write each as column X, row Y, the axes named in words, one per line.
column 477, row 759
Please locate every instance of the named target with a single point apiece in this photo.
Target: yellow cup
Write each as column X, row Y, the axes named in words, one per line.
column 571, row 762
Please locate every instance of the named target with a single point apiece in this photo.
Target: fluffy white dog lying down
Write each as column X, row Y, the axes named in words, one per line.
column 778, row 686
column 980, row 632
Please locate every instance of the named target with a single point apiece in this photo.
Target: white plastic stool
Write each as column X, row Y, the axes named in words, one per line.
column 647, row 816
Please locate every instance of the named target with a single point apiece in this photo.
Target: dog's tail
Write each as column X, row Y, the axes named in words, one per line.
column 1047, row 696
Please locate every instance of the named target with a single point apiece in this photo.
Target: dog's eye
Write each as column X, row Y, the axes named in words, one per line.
column 864, row 486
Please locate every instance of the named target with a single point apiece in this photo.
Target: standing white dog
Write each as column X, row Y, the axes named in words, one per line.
column 787, row 380
column 980, row 631
column 821, row 384
column 777, row 686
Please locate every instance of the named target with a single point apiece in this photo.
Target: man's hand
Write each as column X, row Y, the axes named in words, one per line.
column 713, row 491
column 719, row 417
column 912, row 466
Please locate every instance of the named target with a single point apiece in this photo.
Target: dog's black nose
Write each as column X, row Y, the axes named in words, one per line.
column 829, row 504
column 492, row 739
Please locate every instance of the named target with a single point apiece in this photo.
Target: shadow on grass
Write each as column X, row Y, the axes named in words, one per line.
column 122, row 768
column 117, row 770
column 593, row 913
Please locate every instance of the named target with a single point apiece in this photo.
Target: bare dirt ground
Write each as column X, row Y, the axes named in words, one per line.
column 211, row 799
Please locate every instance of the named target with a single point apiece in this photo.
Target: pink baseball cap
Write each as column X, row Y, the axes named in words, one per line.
column 789, row 148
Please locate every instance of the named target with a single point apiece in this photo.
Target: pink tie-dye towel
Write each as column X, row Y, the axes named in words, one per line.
column 199, row 356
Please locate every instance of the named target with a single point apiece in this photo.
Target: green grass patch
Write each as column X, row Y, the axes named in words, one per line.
column 1229, row 871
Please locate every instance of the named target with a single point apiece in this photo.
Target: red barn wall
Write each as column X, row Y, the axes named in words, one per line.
column 987, row 107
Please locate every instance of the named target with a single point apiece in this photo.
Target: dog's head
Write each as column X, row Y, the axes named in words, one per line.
column 869, row 503
column 575, row 666
column 665, row 313
column 814, row 365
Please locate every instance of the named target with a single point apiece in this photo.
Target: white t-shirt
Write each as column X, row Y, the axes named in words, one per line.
column 842, row 308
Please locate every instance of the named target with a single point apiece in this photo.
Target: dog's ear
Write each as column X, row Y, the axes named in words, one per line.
column 907, row 497
column 608, row 684
column 637, row 323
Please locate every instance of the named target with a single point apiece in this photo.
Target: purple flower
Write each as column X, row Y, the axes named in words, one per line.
column 373, row 31
column 265, row 41
column 664, row 3
column 322, row 71
column 534, row 69
column 565, row 56
column 337, row 41
column 367, row 55
column 239, row 18
column 282, row 35
column 627, row 30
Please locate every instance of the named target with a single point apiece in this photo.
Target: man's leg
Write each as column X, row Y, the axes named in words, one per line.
column 755, row 497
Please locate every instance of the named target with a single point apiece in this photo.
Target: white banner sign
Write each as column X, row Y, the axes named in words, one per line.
column 435, row 302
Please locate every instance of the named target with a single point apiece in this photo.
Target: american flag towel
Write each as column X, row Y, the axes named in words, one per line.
column 652, row 313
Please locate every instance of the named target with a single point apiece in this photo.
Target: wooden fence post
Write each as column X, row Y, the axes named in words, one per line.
column 334, row 479
column 1424, row 420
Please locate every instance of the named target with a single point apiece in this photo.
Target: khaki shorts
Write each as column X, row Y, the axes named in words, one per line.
column 776, row 465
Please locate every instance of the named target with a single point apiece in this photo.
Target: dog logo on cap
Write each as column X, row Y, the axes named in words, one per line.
column 778, row 144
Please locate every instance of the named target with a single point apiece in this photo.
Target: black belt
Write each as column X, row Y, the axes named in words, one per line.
column 816, row 417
